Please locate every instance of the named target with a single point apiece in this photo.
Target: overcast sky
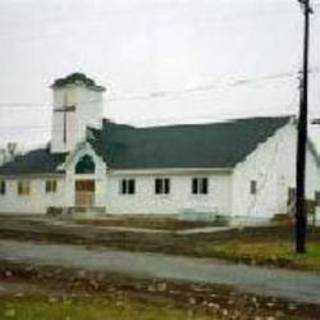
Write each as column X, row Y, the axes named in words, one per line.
column 162, row 61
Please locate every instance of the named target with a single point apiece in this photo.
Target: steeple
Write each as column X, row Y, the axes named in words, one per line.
column 77, row 104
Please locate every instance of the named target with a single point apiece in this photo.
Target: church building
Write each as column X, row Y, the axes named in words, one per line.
column 237, row 169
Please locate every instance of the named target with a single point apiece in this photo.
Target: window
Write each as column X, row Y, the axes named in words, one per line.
column 2, row 187
column 85, row 165
column 162, row 186
column 200, row 186
column 23, row 188
column 128, row 186
column 51, row 186
column 253, row 187
column 317, row 198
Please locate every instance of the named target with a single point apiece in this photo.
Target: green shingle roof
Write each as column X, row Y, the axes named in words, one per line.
column 39, row 161
column 216, row 145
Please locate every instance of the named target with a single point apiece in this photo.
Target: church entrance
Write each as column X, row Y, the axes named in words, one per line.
column 85, row 193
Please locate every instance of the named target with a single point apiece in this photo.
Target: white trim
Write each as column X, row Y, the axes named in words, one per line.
column 123, row 172
column 166, row 171
column 74, row 155
column 33, row 176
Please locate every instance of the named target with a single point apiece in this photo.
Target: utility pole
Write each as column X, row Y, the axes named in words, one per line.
column 301, row 214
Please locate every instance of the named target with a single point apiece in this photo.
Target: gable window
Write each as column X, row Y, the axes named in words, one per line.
column 85, row 165
column 317, row 198
column 2, row 187
column 24, row 188
column 51, row 186
column 200, row 186
column 162, row 186
column 253, row 187
column 127, row 186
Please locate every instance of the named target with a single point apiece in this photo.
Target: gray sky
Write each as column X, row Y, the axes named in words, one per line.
column 163, row 61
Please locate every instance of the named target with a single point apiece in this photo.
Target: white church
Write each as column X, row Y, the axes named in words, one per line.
column 243, row 168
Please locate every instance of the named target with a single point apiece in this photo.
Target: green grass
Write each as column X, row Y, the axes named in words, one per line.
column 39, row 308
column 266, row 252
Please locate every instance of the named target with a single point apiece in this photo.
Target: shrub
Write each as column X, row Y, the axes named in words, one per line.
column 54, row 211
column 221, row 220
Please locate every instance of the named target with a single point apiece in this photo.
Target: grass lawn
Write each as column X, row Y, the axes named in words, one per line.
column 266, row 252
column 98, row 308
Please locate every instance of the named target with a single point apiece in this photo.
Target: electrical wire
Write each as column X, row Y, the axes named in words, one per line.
column 170, row 94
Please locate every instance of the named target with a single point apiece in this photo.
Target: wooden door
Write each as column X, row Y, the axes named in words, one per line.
column 85, row 193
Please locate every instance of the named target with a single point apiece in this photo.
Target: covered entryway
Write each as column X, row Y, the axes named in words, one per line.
column 85, row 193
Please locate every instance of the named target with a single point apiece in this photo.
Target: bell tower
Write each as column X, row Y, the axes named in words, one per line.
column 77, row 104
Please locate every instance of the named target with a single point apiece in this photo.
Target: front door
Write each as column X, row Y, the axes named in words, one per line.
column 85, row 190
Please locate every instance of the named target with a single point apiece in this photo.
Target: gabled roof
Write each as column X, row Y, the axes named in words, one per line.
column 216, row 145
column 34, row 162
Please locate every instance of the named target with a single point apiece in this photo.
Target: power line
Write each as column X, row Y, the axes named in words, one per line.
column 287, row 109
column 25, row 104
column 170, row 94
